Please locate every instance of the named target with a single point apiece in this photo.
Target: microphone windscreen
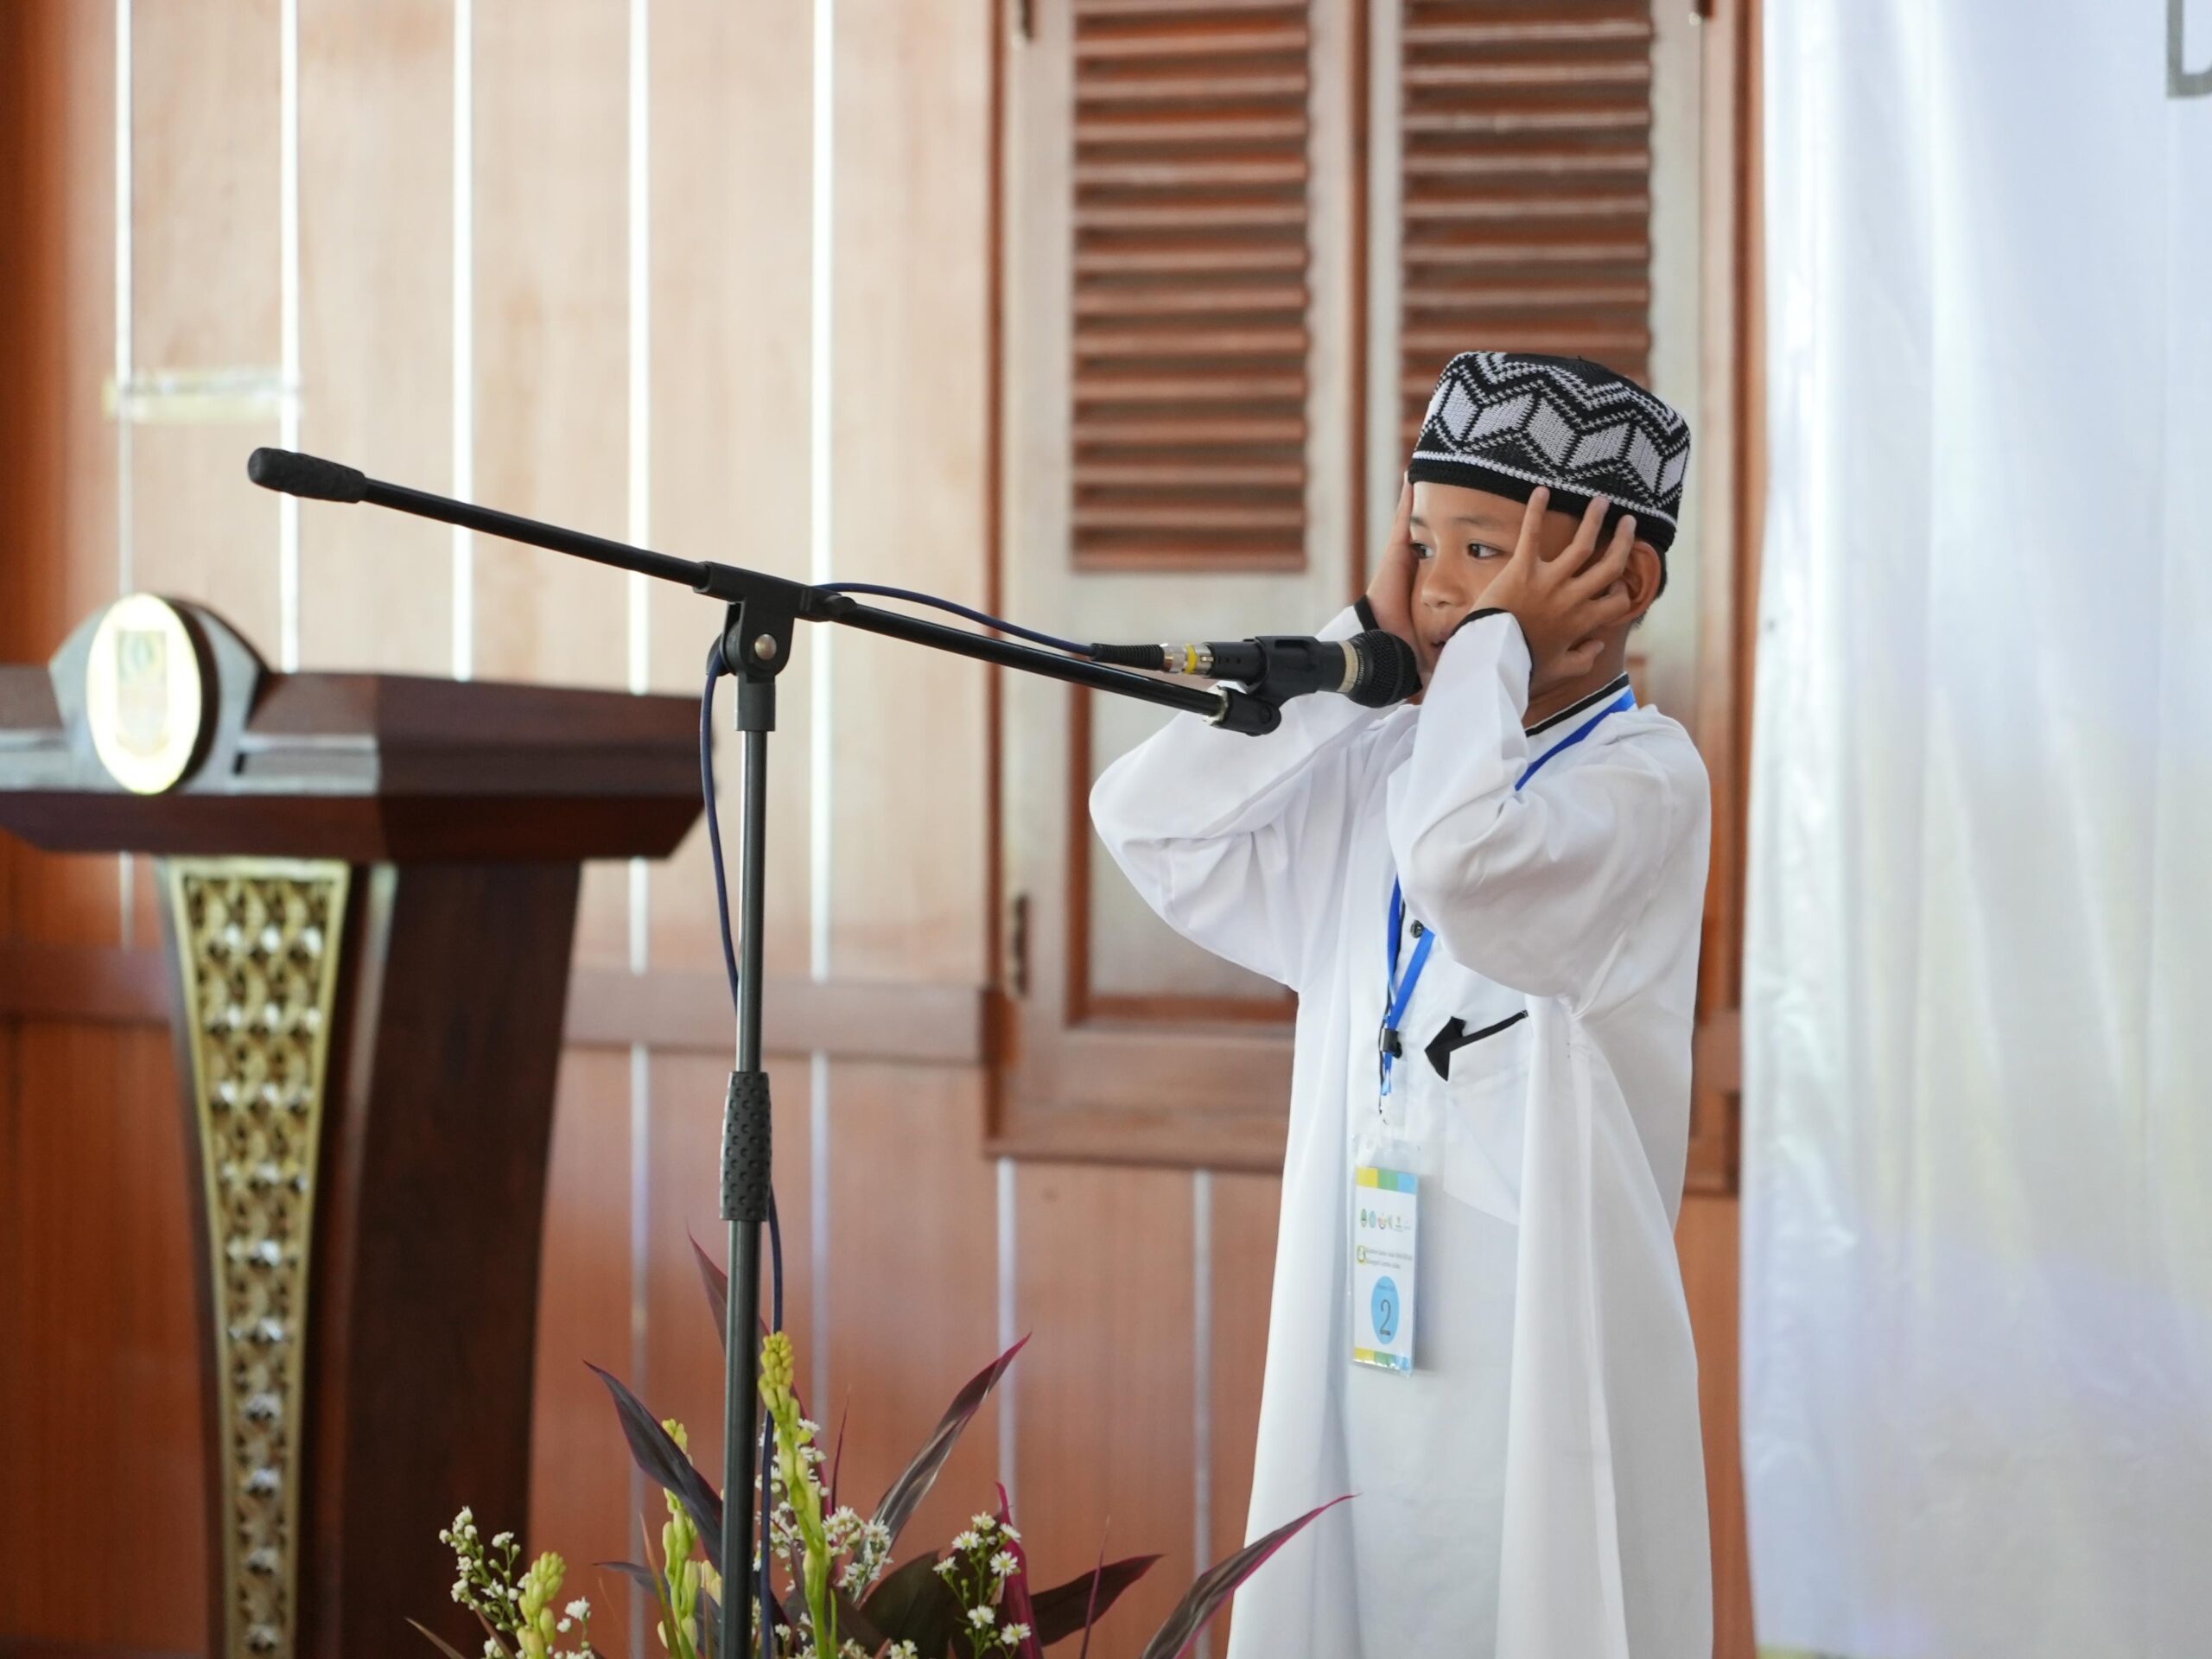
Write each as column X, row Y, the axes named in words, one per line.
column 1389, row 672
column 294, row 474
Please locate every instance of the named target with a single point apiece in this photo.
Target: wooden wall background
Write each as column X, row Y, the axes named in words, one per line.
column 569, row 258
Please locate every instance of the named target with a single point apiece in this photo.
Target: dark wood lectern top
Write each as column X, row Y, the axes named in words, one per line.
column 365, row 768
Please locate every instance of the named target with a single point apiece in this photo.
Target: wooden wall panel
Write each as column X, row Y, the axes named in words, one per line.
column 101, row 1353
column 205, row 169
column 1706, row 1240
column 581, row 1499
column 58, row 540
column 551, row 344
column 1245, row 1210
column 912, row 1298
column 730, row 112
column 376, row 325
column 205, row 296
column 1104, row 1411
column 911, row 364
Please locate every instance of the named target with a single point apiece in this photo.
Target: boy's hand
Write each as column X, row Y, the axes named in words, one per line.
column 1563, row 600
column 1390, row 592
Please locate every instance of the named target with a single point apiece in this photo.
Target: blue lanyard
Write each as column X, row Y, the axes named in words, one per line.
column 1399, row 993
column 1625, row 701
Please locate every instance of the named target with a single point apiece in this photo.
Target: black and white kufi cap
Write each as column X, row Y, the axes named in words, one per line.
column 1510, row 421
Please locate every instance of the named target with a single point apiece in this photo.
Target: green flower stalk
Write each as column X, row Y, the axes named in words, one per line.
column 801, row 1490
column 679, row 1539
column 535, row 1618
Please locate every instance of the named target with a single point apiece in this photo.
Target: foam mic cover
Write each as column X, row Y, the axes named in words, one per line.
column 1387, row 673
column 294, row 474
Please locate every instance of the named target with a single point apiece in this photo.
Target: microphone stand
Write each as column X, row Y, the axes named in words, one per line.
column 755, row 642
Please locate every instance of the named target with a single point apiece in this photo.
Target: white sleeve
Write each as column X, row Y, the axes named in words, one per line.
column 1237, row 842
column 1534, row 888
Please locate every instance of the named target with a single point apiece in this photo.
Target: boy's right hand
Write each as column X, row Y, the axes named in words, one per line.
column 1564, row 601
column 1390, row 591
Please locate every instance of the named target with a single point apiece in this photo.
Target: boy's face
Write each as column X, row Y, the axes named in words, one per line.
column 1462, row 538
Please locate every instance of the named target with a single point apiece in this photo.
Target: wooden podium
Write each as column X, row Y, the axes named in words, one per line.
column 369, row 890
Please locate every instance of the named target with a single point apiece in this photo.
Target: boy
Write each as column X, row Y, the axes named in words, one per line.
column 1489, row 906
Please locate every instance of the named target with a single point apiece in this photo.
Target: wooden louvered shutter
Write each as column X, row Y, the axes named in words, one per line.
column 1525, row 172
column 1189, row 328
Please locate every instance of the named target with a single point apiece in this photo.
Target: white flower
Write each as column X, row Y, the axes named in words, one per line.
column 965, row 1541
column 1004, row 1564
column 1010, row 1534
column 578, row 1610
column 1017, row 1634
column 946, row 1568
column 564, row 1626
column 492, row 1649
column 501, row 1540
column 983, row 1618
column 984, row 1522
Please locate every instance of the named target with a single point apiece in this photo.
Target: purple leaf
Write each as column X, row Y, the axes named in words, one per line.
column 1014, row 1606
column 912, row 1603
column 1214, row 1586
column 837, row 1458
column 1076, row 1605
column 437, row 1641
column 644, row 1577
column 1090, row 1601
column 898, row 1505
column 665, row 1464
column 717, row 1283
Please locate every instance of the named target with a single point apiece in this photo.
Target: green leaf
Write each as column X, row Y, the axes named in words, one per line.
column 1214, row 1586
column 898, row 1505
column 1064, row 1609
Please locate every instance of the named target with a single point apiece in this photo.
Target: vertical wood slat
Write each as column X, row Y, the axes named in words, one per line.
column 376, row 278
column 1525, row 184
column 552, row 358
column 1189, row 327
column 728, row 279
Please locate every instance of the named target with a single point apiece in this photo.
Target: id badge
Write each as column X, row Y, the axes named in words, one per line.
column 1385, row 1238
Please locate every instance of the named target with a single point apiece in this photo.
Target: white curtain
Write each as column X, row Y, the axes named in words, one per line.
column 1978, row 1001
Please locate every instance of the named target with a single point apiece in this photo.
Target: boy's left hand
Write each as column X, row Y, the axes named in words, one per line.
column 1563, row 600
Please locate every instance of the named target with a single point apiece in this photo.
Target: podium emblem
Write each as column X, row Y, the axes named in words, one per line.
column 146, row 702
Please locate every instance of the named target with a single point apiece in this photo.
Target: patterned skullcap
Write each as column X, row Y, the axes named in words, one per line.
column 1507, row 421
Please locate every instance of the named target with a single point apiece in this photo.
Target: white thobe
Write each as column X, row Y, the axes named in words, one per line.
column 1535, row 1487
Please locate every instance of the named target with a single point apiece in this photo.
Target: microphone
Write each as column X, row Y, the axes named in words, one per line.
column 1374, row 669
column 293, row 473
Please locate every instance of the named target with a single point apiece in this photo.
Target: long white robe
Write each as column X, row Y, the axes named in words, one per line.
column 1535, row 1487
